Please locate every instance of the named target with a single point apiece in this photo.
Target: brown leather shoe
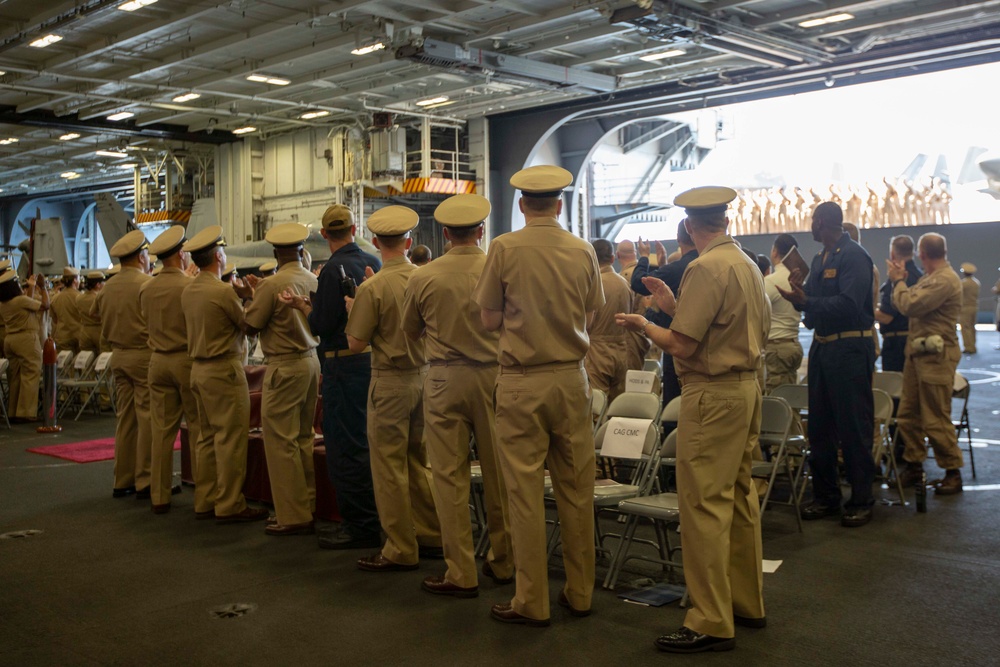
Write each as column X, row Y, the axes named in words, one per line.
column 505, row 613
column 248, row 514
column 161, row 509
column 204, row 516
column 911, row 475
column 564, row 602
column 949, row 486
column 379, row 563
column 499, row 581
column 440, row 586
column 307, row 528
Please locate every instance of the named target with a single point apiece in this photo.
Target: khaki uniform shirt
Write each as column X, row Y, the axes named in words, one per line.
column 545, row 281
column 722, row 306
column 283, row 329
column 65, row 307
column 160, row 302
column 933, row 305
column 970, row 294
column 377, row 315
column 213, row 316
column 439, row 300
column 117, row 304
column 20, row 314
column 617, row 299
column 89, row 317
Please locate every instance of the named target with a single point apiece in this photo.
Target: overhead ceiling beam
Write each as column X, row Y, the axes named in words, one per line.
column 507, row 27
column 910, row 14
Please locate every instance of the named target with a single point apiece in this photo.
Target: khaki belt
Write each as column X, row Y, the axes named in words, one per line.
column 336, row 354
column 393, row 372
column 289, row 356
column 462, row 362
column 735, row 376
column 794, row 339
column 844, row 334
column 893, row 334
column 557, row 366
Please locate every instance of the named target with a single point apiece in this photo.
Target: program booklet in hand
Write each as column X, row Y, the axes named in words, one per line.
column 793, row 260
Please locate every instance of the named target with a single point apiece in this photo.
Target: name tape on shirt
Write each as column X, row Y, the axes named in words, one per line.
column 640, row 381
column 625, row 437
column 830, row 273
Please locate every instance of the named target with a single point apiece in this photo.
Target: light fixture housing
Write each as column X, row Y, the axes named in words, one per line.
column 432, row 101
column 368, row 48
column 309, row 115
column 186, row 97
column 110, row 153
column 69, row 175
column 833, row 18
column 133, row 5
column 257, row 77
column 245, row 130
column 48, row 40
column 121, row 115
column 670, row 53
column 70, row 136
column 8, row 141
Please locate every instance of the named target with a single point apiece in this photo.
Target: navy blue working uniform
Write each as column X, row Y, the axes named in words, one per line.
column 839, row 309
column 670, row 274
column 894, row 333
column 346, row 378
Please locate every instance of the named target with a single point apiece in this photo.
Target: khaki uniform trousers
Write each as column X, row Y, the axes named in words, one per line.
column 133, row 431
column 288, row 408
column 606, row 364
column 400, row 473
column 543, row 417
column 90, row 339
column 925, row 411
column 71, row 344
column 720, row 529
column 220, row 388
column 637, row 345
column 24, row 354
column 967, row 320
column 782, row 359
column 458, row 401
column 171, row 399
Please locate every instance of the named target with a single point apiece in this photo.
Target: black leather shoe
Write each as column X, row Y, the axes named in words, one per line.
column 440, row 586
column 142, row 494
column 161, row 509
column 379, row 563
column 748, row 622
column 504, row 613
column 342, row 540
column 248, row 514
column 499, row 581
column 279, row 530
column 430, row 553
column 686, row 640
column 175, row 490
column 204, row 516
column 819, row 510
column 122, row 493
column 573, row 611
column 856, row 517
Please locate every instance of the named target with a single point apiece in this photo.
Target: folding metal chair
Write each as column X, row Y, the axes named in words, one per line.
column 891, row 382
column 882, row 446
column 960, row 391
column 598, row 407
column 797, row 397
column 775, row 426
column 83, row 370
column 653, row 365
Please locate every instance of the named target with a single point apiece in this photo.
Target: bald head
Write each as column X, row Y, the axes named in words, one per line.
column 933, row 246
column 853, row 231
column 626, row 252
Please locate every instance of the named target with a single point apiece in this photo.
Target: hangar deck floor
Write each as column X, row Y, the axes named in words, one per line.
column 107, row 582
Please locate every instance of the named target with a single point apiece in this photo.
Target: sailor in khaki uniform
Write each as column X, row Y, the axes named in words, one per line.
column 291, row 383
column 970, row 307
column 66, row 312
column 90, row 319
column 171, row 397
column 124, row 328
column 717, row 338
column 20, row 313
column 933, row 306
column 458, row 396
column 4, row 267
column 213, row 317
column 540, row 287
column 400, row 473
column 607, row 358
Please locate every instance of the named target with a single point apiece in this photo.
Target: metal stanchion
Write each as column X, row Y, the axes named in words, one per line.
column 49, row 379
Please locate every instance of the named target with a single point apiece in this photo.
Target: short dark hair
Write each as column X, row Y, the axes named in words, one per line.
column 67, row 281
column 709, row 220
column 604, row 250
column 94, row 282
column 9, row 290
column 829, row 213
column 540, row 204
column 784, row 243
column 933, row 245
column 682, row 233
column 763, row 263
column 203, row 258
column 392, row 242
column 339, row 234
column 463, row 234
column 903, row 245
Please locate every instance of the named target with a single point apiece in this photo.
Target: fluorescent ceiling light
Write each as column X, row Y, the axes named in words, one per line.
column 309, row 115
column 8, row 141
column 834, row 18
column 267, row 78
column 187, row 97
column 42, row 42
column 371, row 48
column 653, row 57
column 432, row 101
column 69, row 175
column 111, row 153
column 133, row 5
column 440, row 104
column 121, row 115
column 1, row 74
column 69, row 137
column 129, row 165
column 245, row 130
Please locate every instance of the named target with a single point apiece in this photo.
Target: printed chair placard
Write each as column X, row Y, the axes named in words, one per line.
column 625, row 438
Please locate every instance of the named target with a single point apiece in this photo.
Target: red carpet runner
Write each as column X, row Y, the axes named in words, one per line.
column 87, row 451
